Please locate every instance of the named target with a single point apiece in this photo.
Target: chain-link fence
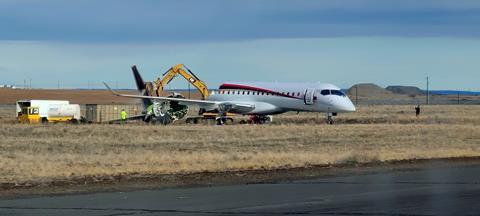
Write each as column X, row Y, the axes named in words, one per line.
column 417, row 99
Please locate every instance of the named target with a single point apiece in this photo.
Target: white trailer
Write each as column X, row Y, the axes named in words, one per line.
column 33, row 111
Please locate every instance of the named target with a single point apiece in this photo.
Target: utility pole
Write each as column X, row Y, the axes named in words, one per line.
column 458, row 97
column 58, row 84
column 24, row 84
column 30, row 83
column 188, row 90
column 356, row 94
column 428, row 91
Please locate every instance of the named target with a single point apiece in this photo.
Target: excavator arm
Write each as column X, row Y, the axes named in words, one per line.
column 156, row 88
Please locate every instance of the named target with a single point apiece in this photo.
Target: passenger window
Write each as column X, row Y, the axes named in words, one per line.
column 248, row 92
column 288, row 93
column 243, row 92
column 298, row 94
column 325, row 92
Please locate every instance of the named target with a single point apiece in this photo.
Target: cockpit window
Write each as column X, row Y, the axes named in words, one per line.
column 332, row 92
column 325, row 92
column 337, row 92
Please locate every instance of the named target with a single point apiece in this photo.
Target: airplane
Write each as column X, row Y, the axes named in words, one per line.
column 260, row 100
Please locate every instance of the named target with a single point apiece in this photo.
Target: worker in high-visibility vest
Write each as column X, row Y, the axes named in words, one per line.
column 123, row 116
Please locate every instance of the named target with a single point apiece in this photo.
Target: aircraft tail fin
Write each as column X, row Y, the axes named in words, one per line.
column 141, row 86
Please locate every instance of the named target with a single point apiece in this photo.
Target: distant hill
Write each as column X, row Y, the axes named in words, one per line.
column 407, row 90
column 368, row 90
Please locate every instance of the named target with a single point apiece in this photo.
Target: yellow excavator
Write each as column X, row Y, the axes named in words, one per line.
column 156, row 87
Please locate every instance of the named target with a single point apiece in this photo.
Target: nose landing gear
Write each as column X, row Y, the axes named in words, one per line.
column 330, row 116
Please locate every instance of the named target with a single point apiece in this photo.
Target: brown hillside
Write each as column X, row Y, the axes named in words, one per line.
column 10, row 96
column 368, row 90
column 408, row 90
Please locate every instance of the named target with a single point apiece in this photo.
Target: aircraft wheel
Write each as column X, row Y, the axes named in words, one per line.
column 220, row 121
column 153, row 121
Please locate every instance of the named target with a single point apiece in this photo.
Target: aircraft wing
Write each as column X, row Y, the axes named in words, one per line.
column 236, row 107
column 227, row 106
column 202, row 103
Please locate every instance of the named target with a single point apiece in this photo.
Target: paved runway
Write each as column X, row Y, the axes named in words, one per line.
column 431, row 190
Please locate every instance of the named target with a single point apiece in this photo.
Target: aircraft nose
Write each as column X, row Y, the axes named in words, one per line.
column 347, row 106
column 350, row 106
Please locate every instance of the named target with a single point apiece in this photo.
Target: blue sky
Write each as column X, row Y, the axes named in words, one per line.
column 342, row 42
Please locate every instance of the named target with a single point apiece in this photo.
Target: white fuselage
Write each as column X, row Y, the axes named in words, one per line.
column 275, row 98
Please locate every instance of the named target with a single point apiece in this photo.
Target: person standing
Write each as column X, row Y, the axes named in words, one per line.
column 417, row 110
column 123, row 116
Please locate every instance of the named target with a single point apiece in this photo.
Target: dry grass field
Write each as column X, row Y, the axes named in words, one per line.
column 46, row 153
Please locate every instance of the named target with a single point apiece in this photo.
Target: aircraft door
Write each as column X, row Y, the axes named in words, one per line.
column 309, row 96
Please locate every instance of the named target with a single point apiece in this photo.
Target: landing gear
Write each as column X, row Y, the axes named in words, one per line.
column 221, row 118
column 260, row 119
column 330, row 118
column 163, row 120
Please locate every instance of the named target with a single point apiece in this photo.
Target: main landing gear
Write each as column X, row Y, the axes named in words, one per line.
column 221, row 119
column 258, row 119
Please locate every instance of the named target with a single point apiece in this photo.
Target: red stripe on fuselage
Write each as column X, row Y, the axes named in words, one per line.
column 252, row 88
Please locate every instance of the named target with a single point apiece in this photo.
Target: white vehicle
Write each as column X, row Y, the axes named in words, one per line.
column 263, row 99
column 35, row 111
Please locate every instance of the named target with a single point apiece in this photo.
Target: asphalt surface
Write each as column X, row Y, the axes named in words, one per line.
column 430, row 190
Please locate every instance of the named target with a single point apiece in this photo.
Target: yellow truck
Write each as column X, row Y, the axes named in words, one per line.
column 47, row 111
